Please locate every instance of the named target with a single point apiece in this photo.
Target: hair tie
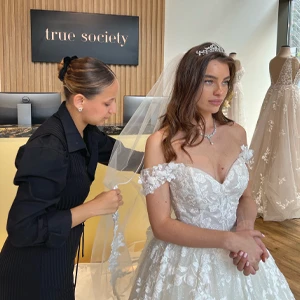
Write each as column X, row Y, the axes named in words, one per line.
column 63, row 71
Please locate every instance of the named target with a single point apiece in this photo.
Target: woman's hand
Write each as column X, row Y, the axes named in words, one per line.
column 247, row 250
column 240, row 259
column 265, row 254
column 106, row 202
column 103, row 204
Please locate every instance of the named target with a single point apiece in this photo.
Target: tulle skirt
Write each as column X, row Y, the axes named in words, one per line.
column 171, row 272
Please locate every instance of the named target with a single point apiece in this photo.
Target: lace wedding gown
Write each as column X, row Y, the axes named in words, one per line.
column 236, row 111
column 171, row 272
column 275, row 167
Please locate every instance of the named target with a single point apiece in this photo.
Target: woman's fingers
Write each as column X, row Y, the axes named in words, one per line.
column 257, row 233
column 243, row 259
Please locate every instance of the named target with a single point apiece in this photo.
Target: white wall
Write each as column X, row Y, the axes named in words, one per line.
column 248, row 27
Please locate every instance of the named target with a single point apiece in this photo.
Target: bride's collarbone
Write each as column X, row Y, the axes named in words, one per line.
column 213, row 161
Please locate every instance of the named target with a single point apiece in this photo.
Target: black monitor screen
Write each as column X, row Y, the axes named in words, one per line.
column 43, row 105
column 130, row 105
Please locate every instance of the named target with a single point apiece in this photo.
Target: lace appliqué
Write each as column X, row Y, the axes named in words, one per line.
column 153, row 178
column 246, row 153
column 117, row 243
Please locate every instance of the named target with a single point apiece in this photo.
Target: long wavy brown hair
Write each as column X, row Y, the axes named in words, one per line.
column 182, row 111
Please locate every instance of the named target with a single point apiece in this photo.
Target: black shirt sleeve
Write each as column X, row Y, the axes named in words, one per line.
column 33, row 219
column 105, row 148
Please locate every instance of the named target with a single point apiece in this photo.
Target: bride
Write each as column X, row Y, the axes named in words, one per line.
column 195, row 164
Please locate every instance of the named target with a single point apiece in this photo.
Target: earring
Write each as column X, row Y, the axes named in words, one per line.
column 80, row 109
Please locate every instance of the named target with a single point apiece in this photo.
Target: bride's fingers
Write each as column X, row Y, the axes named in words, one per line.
column 232, row 255
column 237, row 258
column 265, row 254
column 249, row 270
column 242, row 261
column 256, row 233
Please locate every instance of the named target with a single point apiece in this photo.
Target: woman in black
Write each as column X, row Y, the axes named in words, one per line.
column 55, row 170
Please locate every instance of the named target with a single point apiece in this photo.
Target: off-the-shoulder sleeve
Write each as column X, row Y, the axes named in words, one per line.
column 41, row 177
column 153, row 178
column 246, row 153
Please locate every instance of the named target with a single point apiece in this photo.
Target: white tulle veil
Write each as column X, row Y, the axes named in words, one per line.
column 120, row 238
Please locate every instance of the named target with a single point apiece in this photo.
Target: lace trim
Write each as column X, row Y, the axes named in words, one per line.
column 117, row 243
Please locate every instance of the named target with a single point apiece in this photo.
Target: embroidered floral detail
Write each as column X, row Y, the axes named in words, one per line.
column 265, row 157
column 281, row 180
column 153, row 178
column 246, row 153
column 275, row 105
column 285, row 203
column 281, row 133
column 271, row 123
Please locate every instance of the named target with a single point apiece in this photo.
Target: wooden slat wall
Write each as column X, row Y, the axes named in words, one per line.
column 19, row 74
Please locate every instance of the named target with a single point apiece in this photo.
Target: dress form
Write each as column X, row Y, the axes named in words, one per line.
column 277, row 62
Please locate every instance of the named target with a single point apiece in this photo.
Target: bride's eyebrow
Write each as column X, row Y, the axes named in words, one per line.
column 214, row 77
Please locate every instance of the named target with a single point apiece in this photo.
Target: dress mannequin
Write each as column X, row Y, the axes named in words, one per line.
column 276, row 142
column 277, row 62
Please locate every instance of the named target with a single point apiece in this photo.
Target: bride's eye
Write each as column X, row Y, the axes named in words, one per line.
column 208, row 82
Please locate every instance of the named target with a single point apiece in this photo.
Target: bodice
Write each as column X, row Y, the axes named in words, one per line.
column 286, row 74
column 197, row 198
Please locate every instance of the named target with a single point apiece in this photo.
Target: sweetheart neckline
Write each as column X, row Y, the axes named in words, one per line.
column 244, row 155
column 209, row 175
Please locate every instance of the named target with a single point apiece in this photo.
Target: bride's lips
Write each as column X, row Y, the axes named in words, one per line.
column 215, row 102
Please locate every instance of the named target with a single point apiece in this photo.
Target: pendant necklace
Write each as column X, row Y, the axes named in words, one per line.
column 209, row 136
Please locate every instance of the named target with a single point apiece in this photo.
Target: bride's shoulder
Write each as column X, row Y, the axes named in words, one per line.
column 236, row 131
column 156, row 138
column 154, row 154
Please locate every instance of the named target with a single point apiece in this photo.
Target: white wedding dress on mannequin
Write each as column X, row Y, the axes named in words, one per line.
column 275, row 168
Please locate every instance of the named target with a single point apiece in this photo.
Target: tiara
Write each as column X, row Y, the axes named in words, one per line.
column 211, row 48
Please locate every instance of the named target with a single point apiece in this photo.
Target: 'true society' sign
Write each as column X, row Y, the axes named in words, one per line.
column 114, row 39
